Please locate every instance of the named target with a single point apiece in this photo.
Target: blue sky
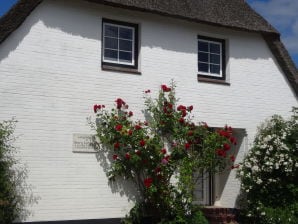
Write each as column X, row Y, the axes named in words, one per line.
column 282, row 14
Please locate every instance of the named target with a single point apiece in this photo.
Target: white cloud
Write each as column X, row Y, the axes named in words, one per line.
column 283, row 15
column 285, row 8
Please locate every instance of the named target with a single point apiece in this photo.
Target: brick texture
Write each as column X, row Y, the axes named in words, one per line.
column 50, row 72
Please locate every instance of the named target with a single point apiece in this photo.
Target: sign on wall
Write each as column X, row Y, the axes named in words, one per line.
column 83, row 143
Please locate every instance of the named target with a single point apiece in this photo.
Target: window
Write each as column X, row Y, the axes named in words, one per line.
column 119, row 44
column 211, row 57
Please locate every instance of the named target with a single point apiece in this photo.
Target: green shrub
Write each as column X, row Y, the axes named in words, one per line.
column 268, row 174
column 9, row 198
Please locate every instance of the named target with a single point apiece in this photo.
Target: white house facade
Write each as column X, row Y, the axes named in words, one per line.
column 68, row 55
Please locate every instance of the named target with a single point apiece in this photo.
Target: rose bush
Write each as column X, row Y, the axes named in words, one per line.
column 269, row 171
column 162, row 154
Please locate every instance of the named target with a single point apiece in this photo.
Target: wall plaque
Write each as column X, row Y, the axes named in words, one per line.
column 83, row 143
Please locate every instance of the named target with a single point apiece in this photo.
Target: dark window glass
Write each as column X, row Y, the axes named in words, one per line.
column 111, row 43
column 125, row 33
column 119, row 43
column 203, row 46
column 111, row 55
column 215, row 59
column 125, row 56
column 215, row 48
column 203, row 57
column 215, row 69
column 111, row 31
column 203, row 67
column 125, row 45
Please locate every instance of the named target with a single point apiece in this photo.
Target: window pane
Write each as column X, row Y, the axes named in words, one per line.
column 125, row 45
column 111, row 43
column 125, row 56
column 215, row 48
column 110, row 55
column 215, row 69
column 125, row 33
column 111, row 31
column 203, row 46
column 215, row 59
column 203, row 67
column 203, row 57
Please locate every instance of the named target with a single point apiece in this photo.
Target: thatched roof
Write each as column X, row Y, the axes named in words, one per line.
column 234, row 14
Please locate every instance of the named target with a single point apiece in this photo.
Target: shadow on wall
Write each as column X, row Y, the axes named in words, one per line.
column 25, row 194
column 73, row 20
column 66, row 19
column 119, row 185
column 16, row 196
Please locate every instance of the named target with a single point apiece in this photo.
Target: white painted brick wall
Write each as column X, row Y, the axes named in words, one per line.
column 50, row 72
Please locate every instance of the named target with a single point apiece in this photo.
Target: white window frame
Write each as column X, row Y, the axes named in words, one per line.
column 119, row 62
column 221, row 53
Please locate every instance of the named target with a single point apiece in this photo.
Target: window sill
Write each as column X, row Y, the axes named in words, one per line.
column 120, row 69
column 210, row 80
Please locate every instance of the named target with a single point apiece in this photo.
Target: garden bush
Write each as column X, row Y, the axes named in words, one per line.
column 161, row 155
column 10, row 199
column 268, row 174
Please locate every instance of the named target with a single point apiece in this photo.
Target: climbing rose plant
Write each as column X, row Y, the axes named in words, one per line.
column 162, row 155
column 269, row 171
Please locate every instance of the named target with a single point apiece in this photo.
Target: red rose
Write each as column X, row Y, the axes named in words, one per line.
column 138, row 127
column 224, row 133
column 142, row 142
column 103, row 106
column 119, row 103
column 226, row 147
column 190, row 108
column 148, row 182
column 130, row 132
column 228, row 128
column 167, row 157
column 116, row 145
column 157, row 169
column 130, row 113
column 127, row 156
column 232, row 158
column 165, row 110
column 181, row 120
column 221, row 152
column 138, row 152
column 187, row 146
column 96, row 107
column 145, row 123
column 170, row 106
column 181, row 107
column 147, row 91
column 233, row 140
column 163, row 151
column 115, row 157
column 118, row 127
column 164, row 87
column 183, row 113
